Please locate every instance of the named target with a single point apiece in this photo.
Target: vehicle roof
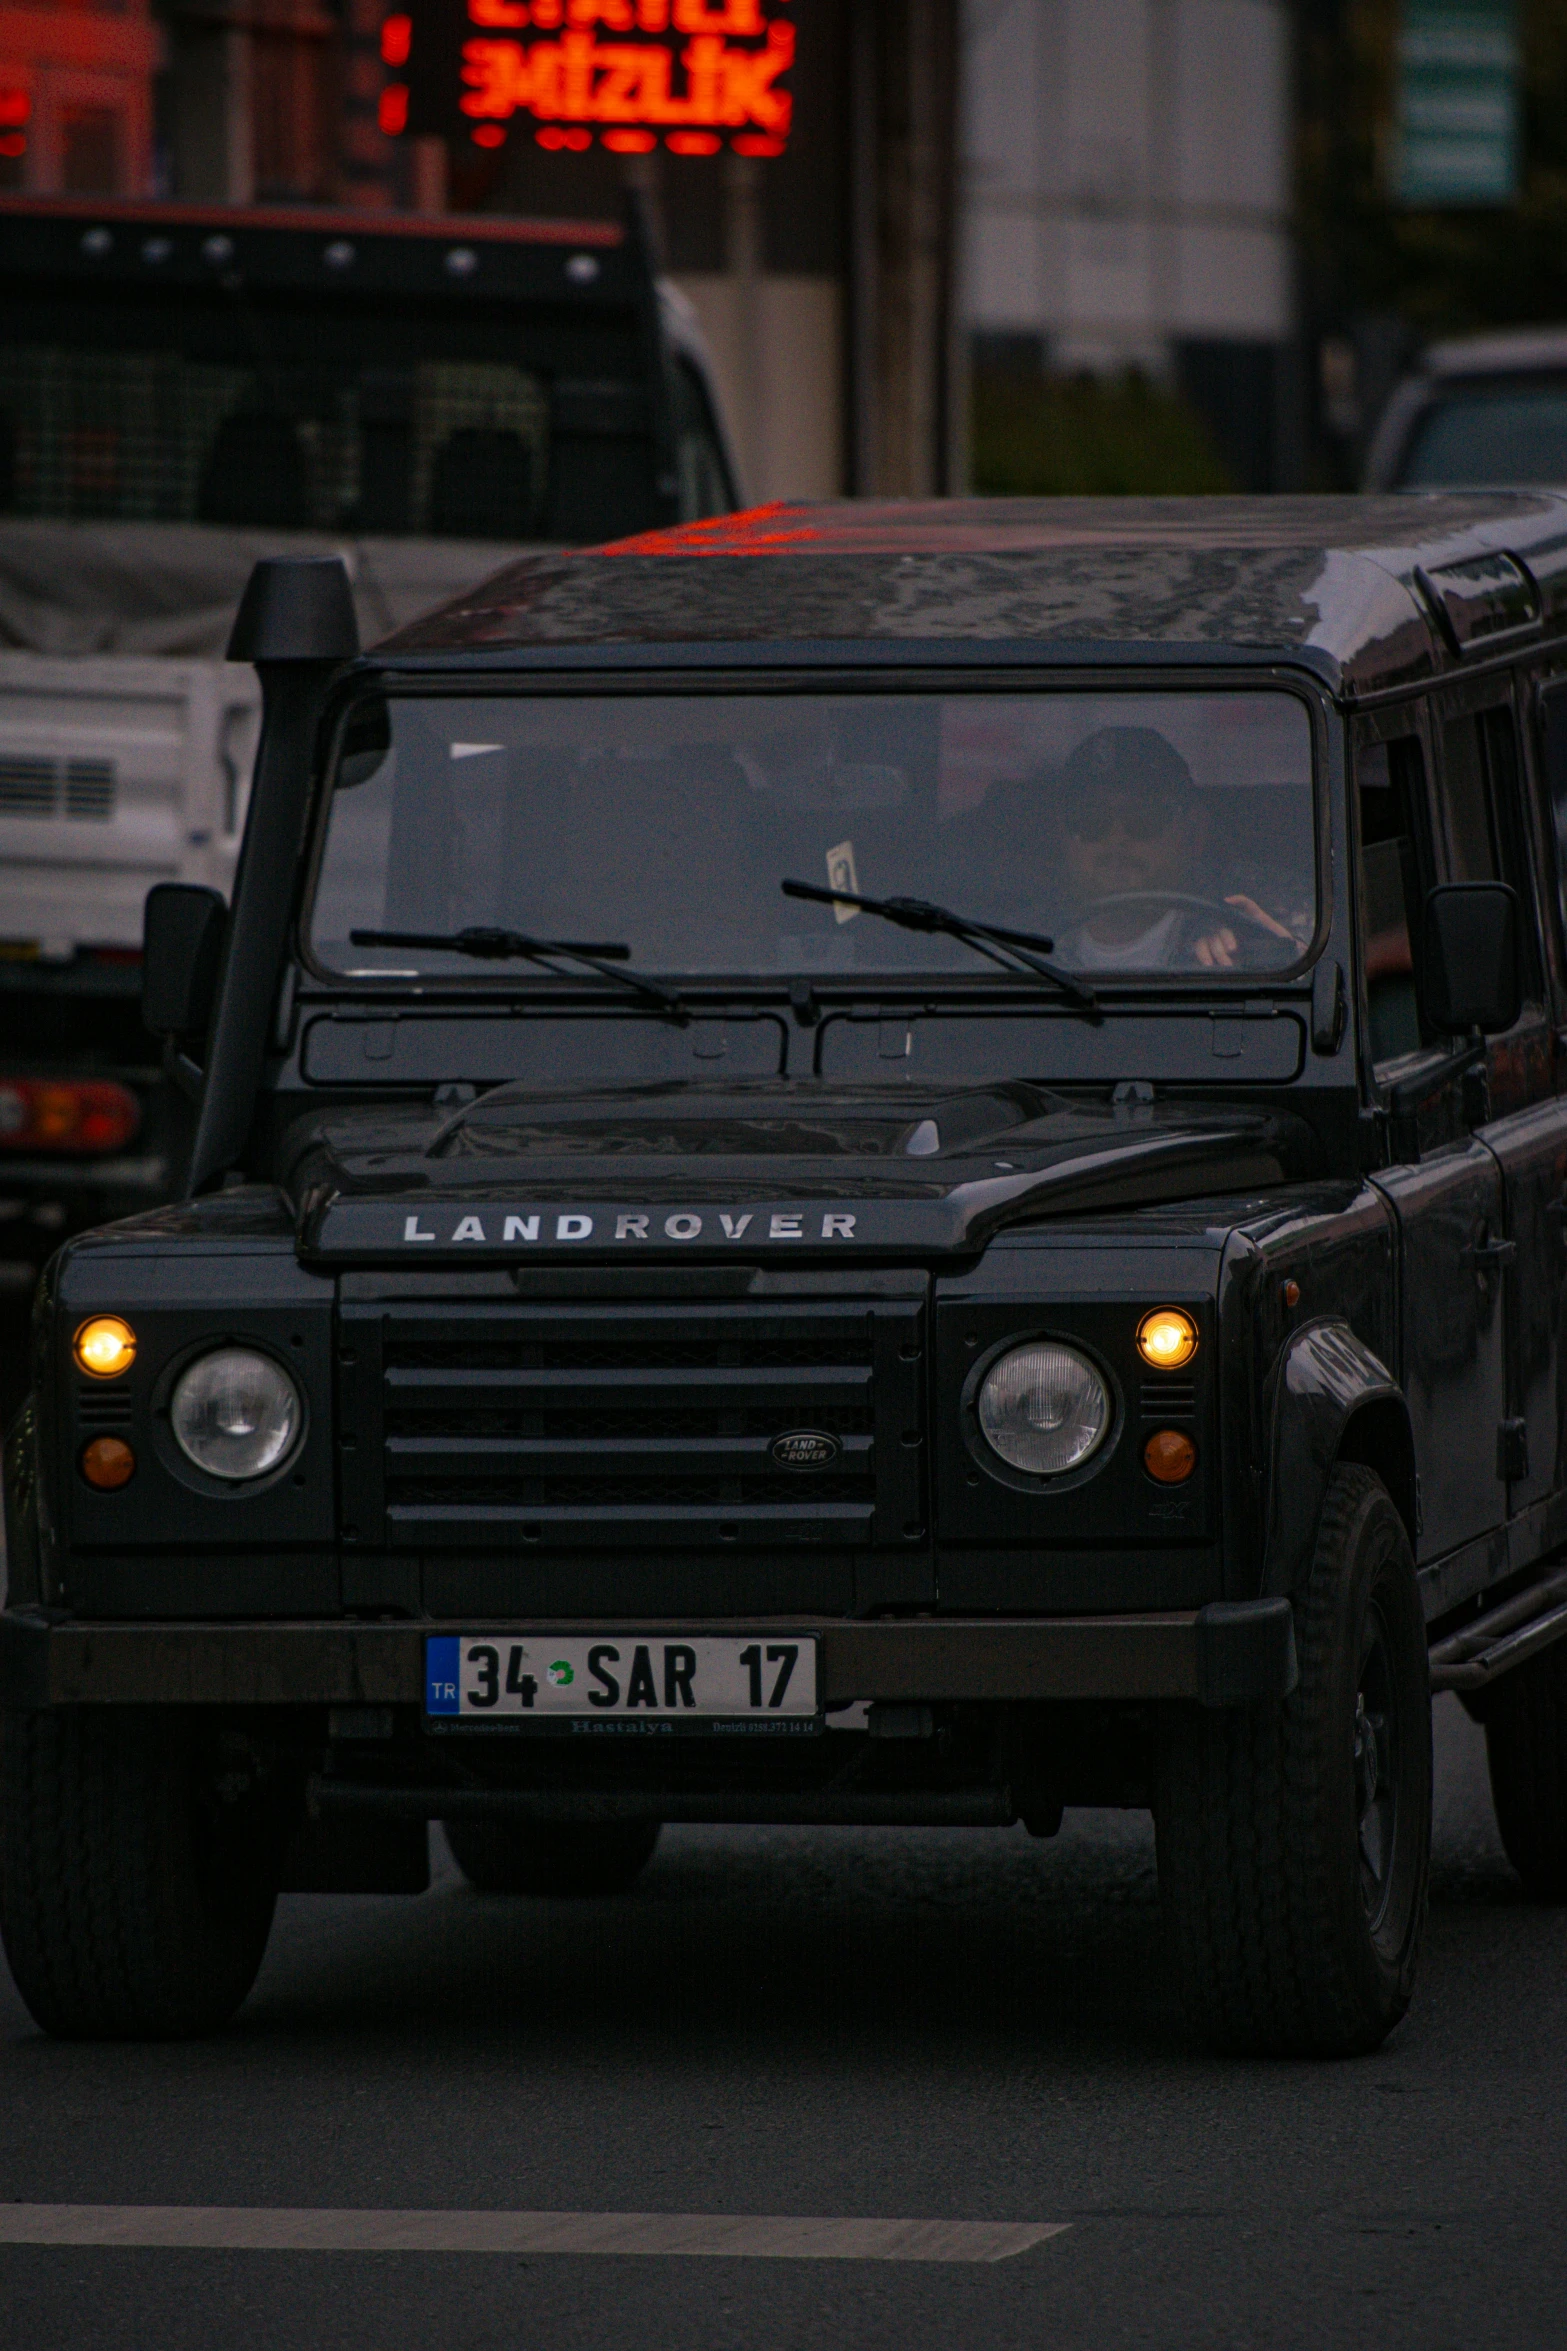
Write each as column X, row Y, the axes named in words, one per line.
column 446, row 228
column 1343, row 581
column 1516, row 352
column 73, row 248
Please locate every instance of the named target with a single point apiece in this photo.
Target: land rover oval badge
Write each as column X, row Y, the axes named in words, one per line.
column 805, row 1449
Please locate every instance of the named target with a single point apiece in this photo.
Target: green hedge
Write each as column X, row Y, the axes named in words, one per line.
column 1044, row 436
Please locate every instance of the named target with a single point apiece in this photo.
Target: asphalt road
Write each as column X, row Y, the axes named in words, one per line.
column 952, row 2025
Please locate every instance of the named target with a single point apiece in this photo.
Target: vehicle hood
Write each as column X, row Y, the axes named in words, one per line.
column 778, row 1169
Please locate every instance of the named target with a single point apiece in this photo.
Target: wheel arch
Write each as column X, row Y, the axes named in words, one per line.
column 1332, row 1400
column 1377, row 1434
column 19, row 1481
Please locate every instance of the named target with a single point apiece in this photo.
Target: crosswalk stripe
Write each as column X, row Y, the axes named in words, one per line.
column 275, row 2229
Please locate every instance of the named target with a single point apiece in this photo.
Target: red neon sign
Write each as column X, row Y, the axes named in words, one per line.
column 692, row 76
column 16, row 109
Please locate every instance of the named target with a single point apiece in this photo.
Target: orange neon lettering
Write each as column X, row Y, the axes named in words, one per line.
column 748, row 78
column 617, row 15
column 635, row 87
column 497, row 12
column 719, row 16
column 702, row 59
column 579, row 79
column 501, row 76
column 578, row 54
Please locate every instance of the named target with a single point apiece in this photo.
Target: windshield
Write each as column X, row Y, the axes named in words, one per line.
column 380, row 418
column 455, row 448
column 1142, row 832
column 1491, row 437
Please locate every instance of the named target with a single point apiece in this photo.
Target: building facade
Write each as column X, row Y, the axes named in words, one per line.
column 76, row 97
column 1125, row 197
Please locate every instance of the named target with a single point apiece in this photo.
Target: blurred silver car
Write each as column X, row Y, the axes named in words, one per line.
column 1489, row 412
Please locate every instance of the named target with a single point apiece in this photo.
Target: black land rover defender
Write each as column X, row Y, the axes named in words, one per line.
column 880, row 1164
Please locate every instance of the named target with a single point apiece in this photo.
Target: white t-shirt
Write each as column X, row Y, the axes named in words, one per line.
column 1149, row 951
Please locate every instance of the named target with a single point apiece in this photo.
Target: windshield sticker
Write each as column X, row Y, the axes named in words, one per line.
column 841, row 875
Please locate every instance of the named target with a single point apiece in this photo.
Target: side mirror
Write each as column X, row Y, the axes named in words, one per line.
column 183, row 929
column 1469, row 958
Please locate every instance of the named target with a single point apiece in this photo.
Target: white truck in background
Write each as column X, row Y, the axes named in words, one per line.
column 181, row 392
column 117, row 770
column 126, row 746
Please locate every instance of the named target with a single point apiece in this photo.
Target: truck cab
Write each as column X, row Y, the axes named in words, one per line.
column 182, row 390
column 865, row 1164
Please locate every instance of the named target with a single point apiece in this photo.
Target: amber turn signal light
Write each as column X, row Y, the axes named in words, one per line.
column 1169, row 1456
column 1167, row 1338
column 105, row 1347
column 107, row 1462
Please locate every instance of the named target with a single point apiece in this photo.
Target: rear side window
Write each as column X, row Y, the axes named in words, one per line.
column 704, row 476
column 1390, row 781
column 1482, row 797
column 1553, row 744
column 267, row 423
column 1505, row 433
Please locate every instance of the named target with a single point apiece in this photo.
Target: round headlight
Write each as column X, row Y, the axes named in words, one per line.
column 1043, row 1408
column 236, row 1414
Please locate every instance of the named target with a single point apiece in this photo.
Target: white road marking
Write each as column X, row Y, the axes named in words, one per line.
column 270, row 2229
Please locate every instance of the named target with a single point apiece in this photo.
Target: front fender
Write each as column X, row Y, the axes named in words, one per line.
column 23, row 1569
column 1331, row 1399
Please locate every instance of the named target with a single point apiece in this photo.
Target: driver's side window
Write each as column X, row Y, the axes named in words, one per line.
column 1390, row 795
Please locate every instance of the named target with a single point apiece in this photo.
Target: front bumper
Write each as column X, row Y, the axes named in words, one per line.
column 1231, row 1653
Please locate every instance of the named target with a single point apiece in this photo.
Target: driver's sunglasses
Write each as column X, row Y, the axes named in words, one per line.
column 1142, row 816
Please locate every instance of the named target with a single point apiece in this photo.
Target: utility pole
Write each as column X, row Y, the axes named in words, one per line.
column 904, row 380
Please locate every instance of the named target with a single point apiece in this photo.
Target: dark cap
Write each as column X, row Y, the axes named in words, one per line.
column 1127, row 759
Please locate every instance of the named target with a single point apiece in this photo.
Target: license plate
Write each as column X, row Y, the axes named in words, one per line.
column 624, row 1680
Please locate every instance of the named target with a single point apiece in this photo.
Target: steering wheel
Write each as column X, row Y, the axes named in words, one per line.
column 1189, row 902
column 1186, row 900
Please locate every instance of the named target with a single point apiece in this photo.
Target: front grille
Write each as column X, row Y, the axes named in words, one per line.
column 102, row 1407
column 89, row 789
column 27, row 787
column 608, row 1425
column 1164, row 1400
column 81, row 790
column 587, row 1493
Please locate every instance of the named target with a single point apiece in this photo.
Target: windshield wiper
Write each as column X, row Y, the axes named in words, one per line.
column 1013, row 950
column 498, row 946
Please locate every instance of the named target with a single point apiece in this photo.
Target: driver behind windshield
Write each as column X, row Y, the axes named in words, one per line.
column 1136, row 854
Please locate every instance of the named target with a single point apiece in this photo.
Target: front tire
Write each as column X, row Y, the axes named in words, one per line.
column 135, row 1903
column 1294, row 1840
column 551, row 1857
column 1526, row 1748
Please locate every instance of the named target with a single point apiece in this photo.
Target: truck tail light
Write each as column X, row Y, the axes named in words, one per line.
column 79, row 1115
